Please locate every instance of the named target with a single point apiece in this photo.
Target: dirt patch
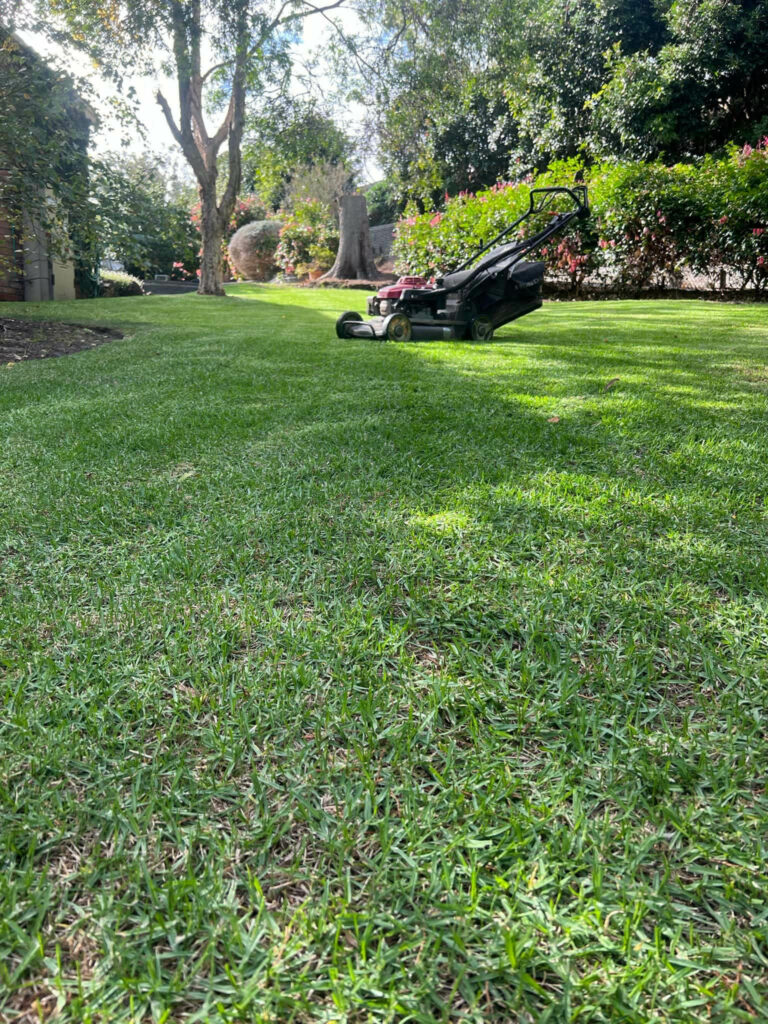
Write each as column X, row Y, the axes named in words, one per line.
column 44, row 339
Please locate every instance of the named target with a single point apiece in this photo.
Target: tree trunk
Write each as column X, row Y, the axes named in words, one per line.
column 210, row 282
column 236, row 19
column 354, row 260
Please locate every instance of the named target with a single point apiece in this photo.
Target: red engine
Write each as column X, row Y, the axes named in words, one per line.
column 383, row 302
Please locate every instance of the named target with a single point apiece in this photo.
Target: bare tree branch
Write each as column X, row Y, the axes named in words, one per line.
column 187, row 145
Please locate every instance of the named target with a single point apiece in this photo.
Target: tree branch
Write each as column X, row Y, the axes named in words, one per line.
column 184, row 140
column 225, row 125
column 297, row 16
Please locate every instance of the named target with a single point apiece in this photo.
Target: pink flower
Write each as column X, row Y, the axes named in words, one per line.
column 761, row 261
column 723, row 220
column 436, row 220
column 758, row 231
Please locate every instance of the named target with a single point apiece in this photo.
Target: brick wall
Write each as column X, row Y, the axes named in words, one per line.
column 382, row 237
column 11, row 282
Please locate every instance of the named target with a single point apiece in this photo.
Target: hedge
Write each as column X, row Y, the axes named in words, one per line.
column 648, row 223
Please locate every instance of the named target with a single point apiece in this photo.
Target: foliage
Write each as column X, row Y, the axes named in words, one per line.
column 44, row 129
column 561, row 64
column 117, row 284
column 288, row 137
column 309, row 238
column 705, row 87
column 337, row 682
column 383, row 205
column 141, row 215
column 552, row 79
column 648, row 222
column 441, row 133
column 321, row 181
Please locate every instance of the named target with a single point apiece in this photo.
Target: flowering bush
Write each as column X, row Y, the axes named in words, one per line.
column 436, row 242
column 309, row 238
column 648, row 222
column 638, row 210
column 180, row 273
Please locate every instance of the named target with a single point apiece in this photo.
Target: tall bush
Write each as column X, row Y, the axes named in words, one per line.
column 648, row 223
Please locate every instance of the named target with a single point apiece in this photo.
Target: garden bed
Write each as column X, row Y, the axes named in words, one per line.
column 45, row 339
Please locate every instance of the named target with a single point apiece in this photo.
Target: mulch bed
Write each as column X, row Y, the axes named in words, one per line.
column 44, row 339
column 339, row 282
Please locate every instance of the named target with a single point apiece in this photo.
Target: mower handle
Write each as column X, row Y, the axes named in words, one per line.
column 578, row 193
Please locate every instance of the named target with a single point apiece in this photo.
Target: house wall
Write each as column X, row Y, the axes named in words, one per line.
column 63, row 281
column 38, row 270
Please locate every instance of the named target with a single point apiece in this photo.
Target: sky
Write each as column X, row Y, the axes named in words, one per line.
column 157, row 136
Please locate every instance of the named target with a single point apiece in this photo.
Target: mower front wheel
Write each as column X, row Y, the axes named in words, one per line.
column 346, row 318
column 397, row 327
column 482, row 328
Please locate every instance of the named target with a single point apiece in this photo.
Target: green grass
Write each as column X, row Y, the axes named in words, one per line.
column 342, row 684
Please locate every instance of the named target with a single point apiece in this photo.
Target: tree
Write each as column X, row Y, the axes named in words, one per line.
column 438, row 130
column 444, row 134
column 383, row 204
column 560, row 63
column 290, row 136
column 550, row 79
column 244, row 39
column 705, row 87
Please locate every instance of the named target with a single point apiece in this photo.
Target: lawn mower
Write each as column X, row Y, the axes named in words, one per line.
column 471, row 301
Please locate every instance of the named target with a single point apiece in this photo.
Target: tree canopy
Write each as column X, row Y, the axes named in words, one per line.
column 548, row 79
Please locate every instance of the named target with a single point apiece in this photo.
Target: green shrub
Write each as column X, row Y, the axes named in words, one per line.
column 116, row 284
column 383, row 205
column 252, row 250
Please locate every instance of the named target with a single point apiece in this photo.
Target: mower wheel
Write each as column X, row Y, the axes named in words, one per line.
column 397, row 327
column 482, row 328
column 343, row 319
